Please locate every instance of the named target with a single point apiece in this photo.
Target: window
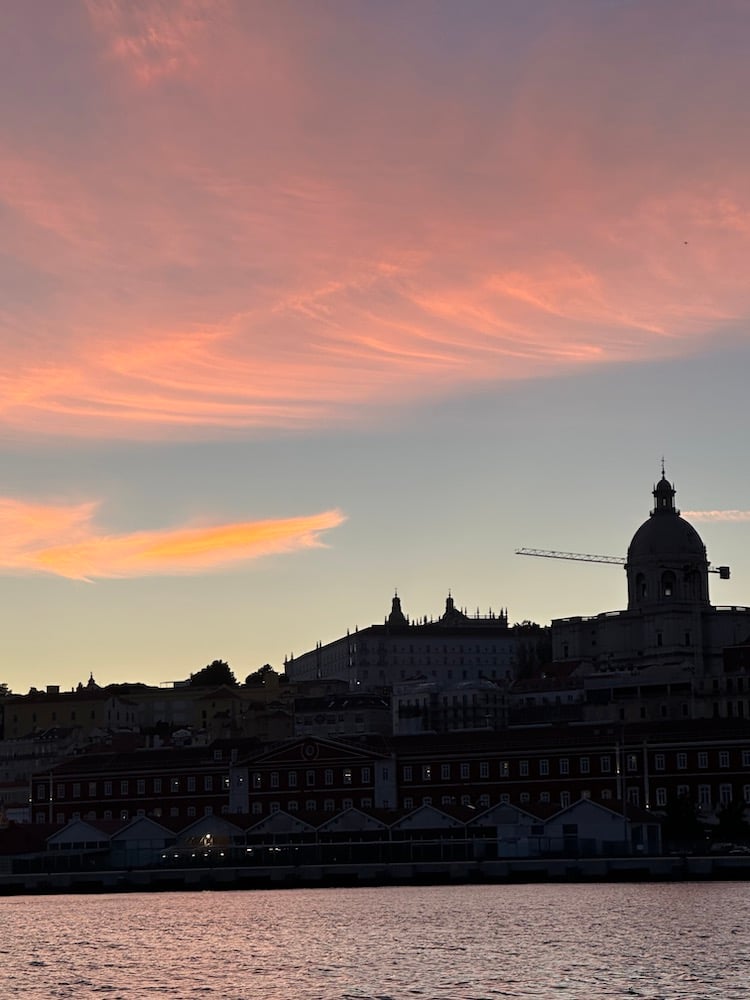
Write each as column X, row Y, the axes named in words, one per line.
column 484, row 769
column 347, row 776
column 483, row 801
column 190, row 811
column 605, row 764
column 310, row 778
column 445, row 773
column 292, row 806
column 564, row 799
column 505, row 799
column 92, row 790
column 292, row 779
column 77, row 790
column 256, row 808
column 661, row 797
column 464, row 771
column 631, row 762
column 543, row 768
column 107, row 787
column 544, row 797
column 681, row 761
column 523, row 768
column 606, row 794
column 347, row 804
column 365, row 803
column 724, row 758
column 157, row 786
column 174, row 811
column 585, row 765
column 659, row 762
column 634, row 796
column 174, row 785
column 408, row 802
column 746, row 793
column 329, row 805
column 704, row 796
column 683, row 791
column 564, row 765
column 426, row 772
column 61, row 792
column 366, row 776
column 275, row 807
column 525, row 797
column 123, row 788
column 746, row 758
column 274, row 779
column 208, row 782
column 725, row 794
column 703, row 759
column 310, row 805
column 141, row 786
column 504, row 769
column 407, row 774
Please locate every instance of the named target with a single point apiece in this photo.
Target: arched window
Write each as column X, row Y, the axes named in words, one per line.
column 641, row 589
column 667, row 584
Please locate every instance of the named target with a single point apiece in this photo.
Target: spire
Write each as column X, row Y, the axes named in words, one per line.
column 397, row 616
column 663, row 494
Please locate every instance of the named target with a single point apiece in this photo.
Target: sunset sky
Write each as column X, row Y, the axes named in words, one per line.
column 303, row 303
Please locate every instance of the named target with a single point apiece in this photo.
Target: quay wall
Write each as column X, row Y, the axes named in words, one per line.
column 623, row 869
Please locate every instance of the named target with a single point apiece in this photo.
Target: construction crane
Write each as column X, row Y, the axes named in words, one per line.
column 723, row 571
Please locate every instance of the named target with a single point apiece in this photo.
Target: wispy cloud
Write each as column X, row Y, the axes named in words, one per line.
column 227, row 238
column 64, row 540
column 717, row 515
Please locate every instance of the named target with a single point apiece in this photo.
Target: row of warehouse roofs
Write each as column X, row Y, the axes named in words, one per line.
column 144, row 842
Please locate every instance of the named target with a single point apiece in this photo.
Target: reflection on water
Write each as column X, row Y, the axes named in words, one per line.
column 574, row 942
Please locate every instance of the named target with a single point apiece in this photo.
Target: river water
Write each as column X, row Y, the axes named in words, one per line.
column 568, row 942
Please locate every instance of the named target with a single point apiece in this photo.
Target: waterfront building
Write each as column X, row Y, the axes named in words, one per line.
column 175, row 784
column 315, row 775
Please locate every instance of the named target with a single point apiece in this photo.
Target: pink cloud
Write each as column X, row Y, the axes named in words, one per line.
column 63, row 540
column 717, row 515
column 258, row 227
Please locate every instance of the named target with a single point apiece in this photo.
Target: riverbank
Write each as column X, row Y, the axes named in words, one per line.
column 515, row 871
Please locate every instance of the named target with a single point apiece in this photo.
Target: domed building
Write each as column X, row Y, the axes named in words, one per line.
column 663, row 657
column 666, row 563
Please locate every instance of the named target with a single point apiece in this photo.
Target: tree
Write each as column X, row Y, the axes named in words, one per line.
column 732, row 823
column 259, row 677
column 217, row 672
column 682, row 828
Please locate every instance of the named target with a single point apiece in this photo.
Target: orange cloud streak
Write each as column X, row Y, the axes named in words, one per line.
column 30, row 535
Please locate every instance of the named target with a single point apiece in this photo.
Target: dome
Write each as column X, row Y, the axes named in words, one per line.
column 666, row 536
column 666, row 561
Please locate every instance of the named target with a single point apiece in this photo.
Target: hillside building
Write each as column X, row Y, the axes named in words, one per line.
column 455, row 647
